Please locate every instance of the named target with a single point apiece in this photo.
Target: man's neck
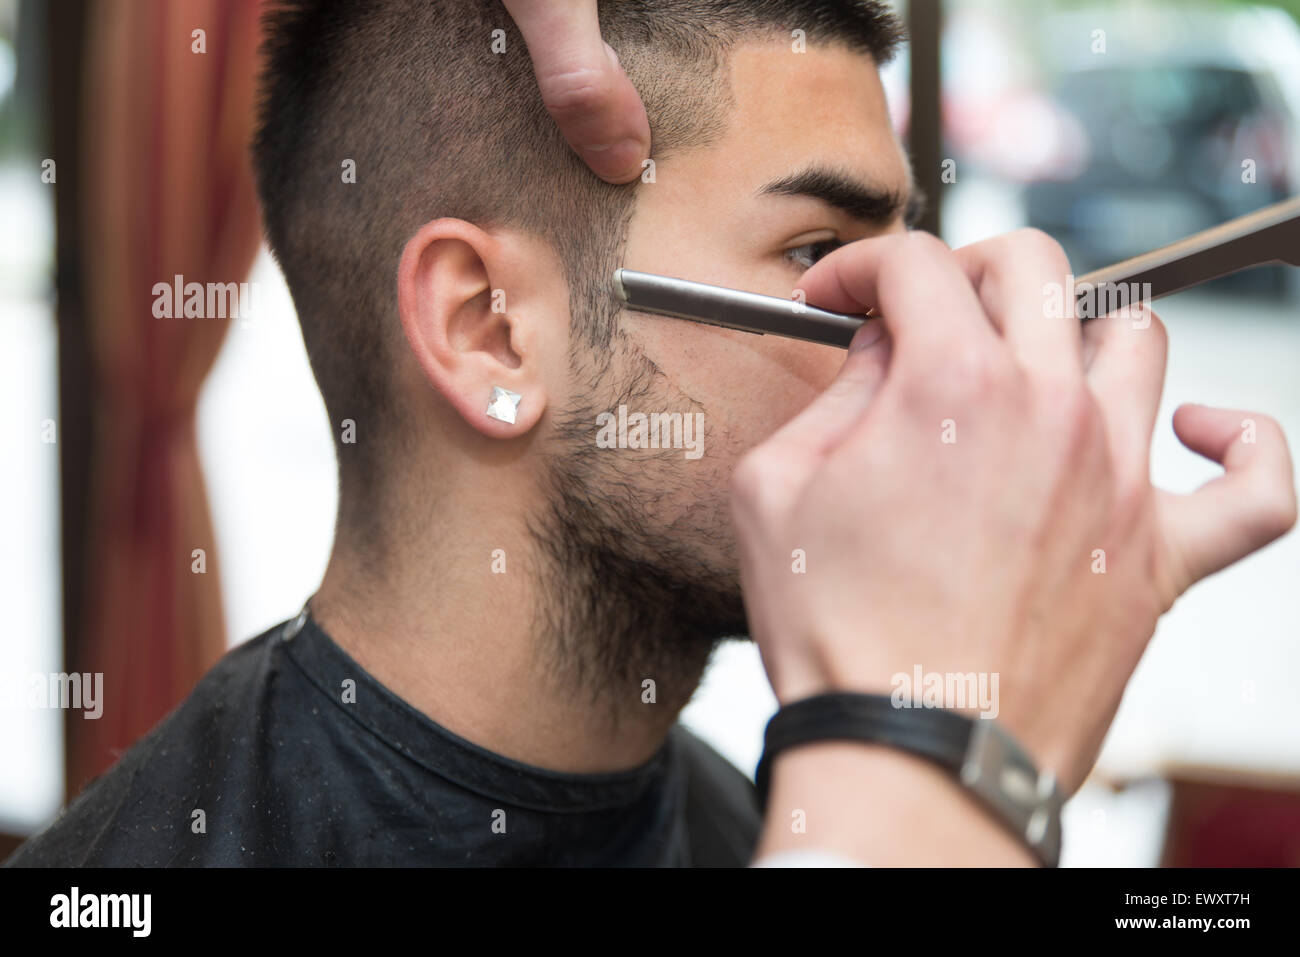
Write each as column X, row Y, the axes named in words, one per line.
column 466, row 640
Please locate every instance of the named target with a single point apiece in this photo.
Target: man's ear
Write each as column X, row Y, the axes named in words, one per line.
column 453, row 284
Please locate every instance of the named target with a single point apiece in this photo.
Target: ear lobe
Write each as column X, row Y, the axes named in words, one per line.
column 460, row 327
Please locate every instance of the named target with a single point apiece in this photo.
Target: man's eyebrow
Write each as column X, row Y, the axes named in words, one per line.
column 863, row 201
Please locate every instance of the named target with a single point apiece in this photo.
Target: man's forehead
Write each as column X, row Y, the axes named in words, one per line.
column 825, row 107
column 817, row 118
column 802, row 125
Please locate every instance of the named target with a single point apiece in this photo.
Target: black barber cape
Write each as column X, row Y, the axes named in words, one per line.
column 288, row 773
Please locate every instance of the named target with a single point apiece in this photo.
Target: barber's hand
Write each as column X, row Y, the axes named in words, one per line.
column 958, row 486
column 584, row 87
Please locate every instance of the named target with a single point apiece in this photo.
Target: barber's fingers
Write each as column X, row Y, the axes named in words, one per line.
column 1021, row 278
column 1125, row 355
column 584, row 87
column 1229, row 517
column 791, row 454
column 929, row 311
column 916, row 286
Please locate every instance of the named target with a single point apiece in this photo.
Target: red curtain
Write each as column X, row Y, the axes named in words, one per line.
column 168, row 111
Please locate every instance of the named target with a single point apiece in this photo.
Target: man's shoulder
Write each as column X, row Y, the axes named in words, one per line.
column 722, row 813
column 125, row 816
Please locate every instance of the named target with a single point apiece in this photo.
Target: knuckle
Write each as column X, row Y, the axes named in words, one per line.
column 1149, row 337
column 920, row 242
column 1033, row 246
column 1273, row 496
column 909, row 248
column 976, row 375
column 1078, row 410
column 1131, row 500
column 1268, row 429
column 1040, row 244
column 1069, row 412
column 1275, row 513
column 575, row 92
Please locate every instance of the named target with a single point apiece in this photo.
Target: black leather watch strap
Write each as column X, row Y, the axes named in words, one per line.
column 984, row 759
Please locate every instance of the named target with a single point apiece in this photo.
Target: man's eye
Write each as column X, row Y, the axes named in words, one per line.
column 808, row 255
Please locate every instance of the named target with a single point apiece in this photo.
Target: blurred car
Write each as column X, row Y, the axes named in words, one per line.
column 1145, row 143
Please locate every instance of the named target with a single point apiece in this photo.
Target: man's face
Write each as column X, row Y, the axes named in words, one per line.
column 738, row 213
column 710, row 216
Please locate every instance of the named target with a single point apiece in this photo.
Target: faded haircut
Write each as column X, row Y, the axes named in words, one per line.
column 440, row 125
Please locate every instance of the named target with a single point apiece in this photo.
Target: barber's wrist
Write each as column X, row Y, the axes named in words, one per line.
column 881, row 806
column 828, row 676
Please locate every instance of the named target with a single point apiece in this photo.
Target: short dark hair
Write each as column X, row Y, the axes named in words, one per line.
column 440, row 125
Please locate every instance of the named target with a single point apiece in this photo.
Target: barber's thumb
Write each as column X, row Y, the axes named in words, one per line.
column 822, row 425
column 861, row 375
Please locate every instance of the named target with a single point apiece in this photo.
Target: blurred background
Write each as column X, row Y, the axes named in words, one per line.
column 1116, row 127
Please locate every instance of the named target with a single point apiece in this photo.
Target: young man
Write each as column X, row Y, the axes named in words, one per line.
column 517, row 608
column 513, row 615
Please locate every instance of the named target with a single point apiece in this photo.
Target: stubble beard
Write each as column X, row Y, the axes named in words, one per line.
column 636, row 566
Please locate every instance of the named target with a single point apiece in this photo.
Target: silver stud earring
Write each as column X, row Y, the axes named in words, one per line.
column 503, row 404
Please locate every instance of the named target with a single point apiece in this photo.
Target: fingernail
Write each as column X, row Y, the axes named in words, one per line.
column 621, row 160
column 866, row 337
